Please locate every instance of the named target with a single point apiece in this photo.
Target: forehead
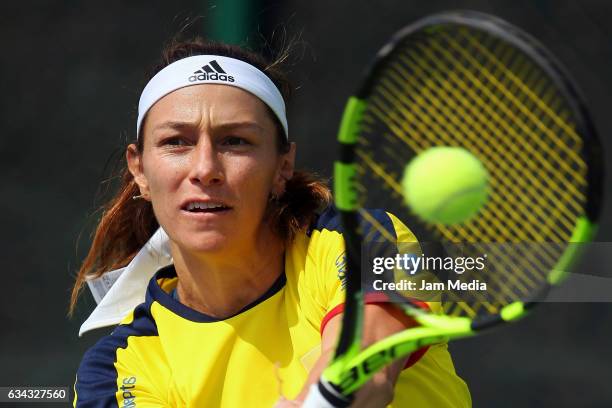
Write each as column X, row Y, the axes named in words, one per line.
column 214, row 102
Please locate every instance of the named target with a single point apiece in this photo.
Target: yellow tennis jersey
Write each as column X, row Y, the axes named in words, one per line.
column 165, row 354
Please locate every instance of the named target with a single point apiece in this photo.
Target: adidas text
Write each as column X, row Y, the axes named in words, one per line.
column 211, row 77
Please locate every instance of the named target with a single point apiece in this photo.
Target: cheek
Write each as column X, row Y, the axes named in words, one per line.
column 255, row 181
column 164, row 179
column 164, row 173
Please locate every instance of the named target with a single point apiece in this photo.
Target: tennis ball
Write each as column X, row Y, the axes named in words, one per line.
column 446, row 185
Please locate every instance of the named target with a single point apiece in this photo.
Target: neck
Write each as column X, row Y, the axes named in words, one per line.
column 221, row 285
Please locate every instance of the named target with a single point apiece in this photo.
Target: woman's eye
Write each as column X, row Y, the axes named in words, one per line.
column 175, row 141
column 235, row 141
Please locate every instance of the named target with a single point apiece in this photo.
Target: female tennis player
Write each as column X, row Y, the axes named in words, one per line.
column 229, row 262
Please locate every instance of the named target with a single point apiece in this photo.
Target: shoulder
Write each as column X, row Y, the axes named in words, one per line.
column 322, row 248
column 330, row 220
column 112, row 357
column 325, row 237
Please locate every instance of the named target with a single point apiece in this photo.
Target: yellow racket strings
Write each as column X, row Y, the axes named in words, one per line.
column 466, row 88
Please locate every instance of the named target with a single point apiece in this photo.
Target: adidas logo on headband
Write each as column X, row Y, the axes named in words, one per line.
column 239, row 74
column 211, row 72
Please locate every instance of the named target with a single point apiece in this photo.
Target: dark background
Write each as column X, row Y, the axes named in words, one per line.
column 71, row 74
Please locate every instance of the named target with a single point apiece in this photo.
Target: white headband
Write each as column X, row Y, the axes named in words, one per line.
column 212, row 69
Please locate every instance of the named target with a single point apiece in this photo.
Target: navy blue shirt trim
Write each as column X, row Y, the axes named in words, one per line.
column 171, row 302
column 96, row 383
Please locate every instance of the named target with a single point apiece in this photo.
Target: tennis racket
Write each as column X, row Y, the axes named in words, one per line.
column 468, row 80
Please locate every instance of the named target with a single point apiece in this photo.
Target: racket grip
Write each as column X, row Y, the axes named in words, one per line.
column 323, row 395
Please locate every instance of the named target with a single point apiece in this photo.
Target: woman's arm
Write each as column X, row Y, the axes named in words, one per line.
column 380, row 321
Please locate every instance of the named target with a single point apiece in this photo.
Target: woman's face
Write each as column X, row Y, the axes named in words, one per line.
column 208, row 166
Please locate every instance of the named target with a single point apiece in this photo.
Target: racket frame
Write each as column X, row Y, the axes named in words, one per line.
column 351, row 368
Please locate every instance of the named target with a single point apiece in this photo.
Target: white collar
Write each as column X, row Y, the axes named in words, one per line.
column 119, row 291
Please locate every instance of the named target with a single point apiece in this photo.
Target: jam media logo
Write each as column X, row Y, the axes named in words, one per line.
column 211, row 72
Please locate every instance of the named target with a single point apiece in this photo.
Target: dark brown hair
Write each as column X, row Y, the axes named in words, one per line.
column 127, row 224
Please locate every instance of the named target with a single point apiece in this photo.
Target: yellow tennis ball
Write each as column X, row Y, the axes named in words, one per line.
column 446, row 185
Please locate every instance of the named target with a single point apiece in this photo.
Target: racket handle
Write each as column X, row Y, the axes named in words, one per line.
column 323, row 395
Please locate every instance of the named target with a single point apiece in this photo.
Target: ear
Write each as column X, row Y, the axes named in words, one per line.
column 285, row 170
column 134, row 162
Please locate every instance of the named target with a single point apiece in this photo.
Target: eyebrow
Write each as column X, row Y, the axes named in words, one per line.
column 178, row 125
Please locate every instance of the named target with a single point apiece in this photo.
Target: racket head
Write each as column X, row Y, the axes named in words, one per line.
column 472, row 80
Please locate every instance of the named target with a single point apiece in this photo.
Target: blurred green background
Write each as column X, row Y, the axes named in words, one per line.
column 71, row 76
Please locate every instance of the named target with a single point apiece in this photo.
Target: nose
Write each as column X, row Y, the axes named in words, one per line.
column 206, row 166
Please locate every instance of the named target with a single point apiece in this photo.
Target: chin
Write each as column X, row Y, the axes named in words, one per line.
column 208, row 242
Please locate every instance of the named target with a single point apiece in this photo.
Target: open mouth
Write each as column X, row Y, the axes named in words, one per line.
column 205, row 207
